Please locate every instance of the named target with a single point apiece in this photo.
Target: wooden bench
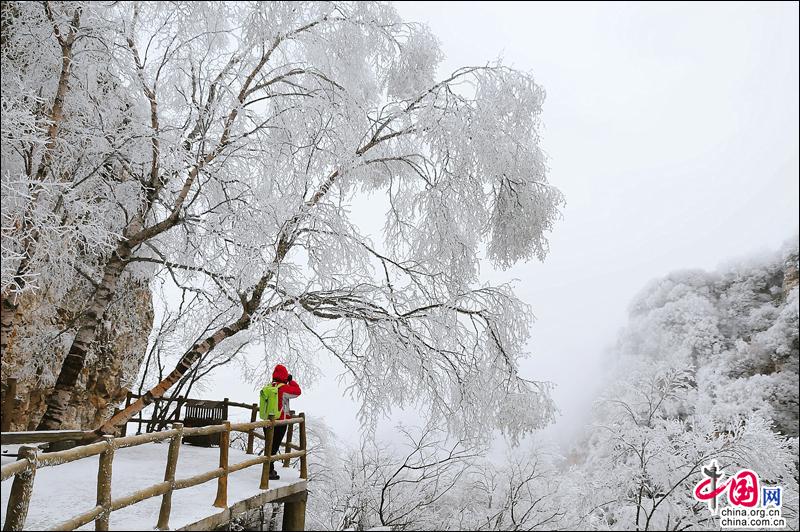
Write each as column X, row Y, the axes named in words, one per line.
column 200, row 413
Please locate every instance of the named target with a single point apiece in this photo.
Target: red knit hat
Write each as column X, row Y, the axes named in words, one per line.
column 280, row 373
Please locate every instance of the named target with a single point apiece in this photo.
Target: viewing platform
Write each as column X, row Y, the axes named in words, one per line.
column 151, row 481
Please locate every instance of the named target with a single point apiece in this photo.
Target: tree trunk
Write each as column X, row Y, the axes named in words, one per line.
column 184, row 365
column 58, row 401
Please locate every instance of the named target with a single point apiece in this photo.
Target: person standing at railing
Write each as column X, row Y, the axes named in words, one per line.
column 274, row 399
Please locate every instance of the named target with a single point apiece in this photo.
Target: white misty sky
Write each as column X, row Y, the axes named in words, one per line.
column 673, row 131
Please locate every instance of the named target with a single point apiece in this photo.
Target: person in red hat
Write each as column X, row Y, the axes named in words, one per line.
column 287, row 389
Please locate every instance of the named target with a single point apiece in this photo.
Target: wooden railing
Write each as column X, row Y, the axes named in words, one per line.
column 46, row 436
column 24, row 470
column 161, row 416
column 154, row 423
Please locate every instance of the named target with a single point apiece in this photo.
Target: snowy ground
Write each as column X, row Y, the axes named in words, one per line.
column 64, row 491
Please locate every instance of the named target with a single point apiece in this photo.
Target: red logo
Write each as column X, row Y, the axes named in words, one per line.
column 742, row 488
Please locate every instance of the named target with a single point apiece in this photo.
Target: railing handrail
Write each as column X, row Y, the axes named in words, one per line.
column 187, row 399
column 92, row 449
column 43, row 436
column 23, row 470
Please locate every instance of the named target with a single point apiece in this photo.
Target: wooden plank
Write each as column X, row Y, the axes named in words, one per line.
column 169, row 476
column 80, row 520
column 42, row 436
column 292, row 446
column 139, row 439
column 261, row 459
column 247, row 463
column 247, row 427
column 200, row 431
column 221, row 501
column 9, row 470
column 104, row 484
column 147, row 493
column 70, row 455
column 182, row 398
column 198, row 479
column 21, row 489
column 293, row 454
column 240, row 405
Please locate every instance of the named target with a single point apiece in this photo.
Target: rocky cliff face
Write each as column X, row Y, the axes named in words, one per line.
column 706, row 368
column 738, row 329
column 38, row 348
column 790, row 275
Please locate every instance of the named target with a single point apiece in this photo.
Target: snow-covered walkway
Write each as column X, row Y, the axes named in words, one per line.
column 64, row 491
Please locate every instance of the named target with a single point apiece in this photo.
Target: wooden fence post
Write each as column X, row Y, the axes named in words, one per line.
column 269, row 433
column 9, row 404
column 169, row 476
column 251, row 436
column 20, row 497
column 304, row 457
column 222, row 482
column 104, row 484
column 289, row 430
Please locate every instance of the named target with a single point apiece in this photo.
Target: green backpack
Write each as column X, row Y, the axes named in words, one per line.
column 268, row 403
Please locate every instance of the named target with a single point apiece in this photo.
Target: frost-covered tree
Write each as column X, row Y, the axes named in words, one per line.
column 410, row 484
column 697, row 376
column 707, row 369
column 425, row 480
column 738, row 328
column 521, row 491
column 70, row 187
column 648, row 447
column 222, row 143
